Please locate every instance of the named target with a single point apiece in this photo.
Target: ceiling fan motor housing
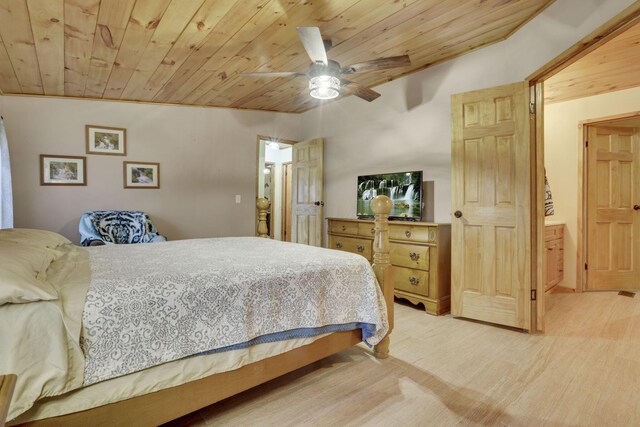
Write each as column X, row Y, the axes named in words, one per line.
column 320, row 69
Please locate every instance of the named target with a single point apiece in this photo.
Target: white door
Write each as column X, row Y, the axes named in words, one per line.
column 307, row 197
column 491, row 202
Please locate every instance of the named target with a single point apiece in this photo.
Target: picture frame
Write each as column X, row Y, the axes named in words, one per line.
column 63, row 170
column 141, row 175
column 106, row 140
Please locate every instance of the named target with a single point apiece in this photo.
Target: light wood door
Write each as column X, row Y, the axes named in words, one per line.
column 306, row 197
column 613, row 225
column 491, row 186
column 270, row 191
column 286, row 202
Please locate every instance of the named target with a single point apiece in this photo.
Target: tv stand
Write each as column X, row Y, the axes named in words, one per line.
column 420, row 254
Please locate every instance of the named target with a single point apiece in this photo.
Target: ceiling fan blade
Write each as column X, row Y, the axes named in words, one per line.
column 378, row 64
column 358, row 90
column 278, row 74
column 313, row 44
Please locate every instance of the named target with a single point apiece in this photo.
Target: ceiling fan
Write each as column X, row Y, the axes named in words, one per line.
column 325, row 75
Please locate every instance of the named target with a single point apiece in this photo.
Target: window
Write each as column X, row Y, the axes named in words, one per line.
column 6, row 196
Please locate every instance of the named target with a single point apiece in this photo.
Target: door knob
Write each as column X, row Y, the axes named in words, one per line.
column 457, row 214
column 319, row 203
column 636, row 207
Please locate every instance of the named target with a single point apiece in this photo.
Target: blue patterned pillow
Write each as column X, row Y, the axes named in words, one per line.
column 123, row 226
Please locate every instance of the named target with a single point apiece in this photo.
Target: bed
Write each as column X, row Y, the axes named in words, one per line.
column 129, row 335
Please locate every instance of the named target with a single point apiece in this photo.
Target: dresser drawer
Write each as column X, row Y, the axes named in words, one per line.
column 552, row 232
column 366, row 230
column 351, row 244
column 409, row 280
column 412, row 233
column 343, row 227
column 410, row 256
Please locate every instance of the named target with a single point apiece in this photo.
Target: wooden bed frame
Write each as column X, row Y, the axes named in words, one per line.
column 171, row 403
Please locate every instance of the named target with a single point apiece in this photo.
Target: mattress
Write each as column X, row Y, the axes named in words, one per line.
column 71, row 354
column 156, row 378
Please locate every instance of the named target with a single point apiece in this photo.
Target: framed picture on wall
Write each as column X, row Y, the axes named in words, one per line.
column 63, row 170
column 141, row 175
column 106, row 140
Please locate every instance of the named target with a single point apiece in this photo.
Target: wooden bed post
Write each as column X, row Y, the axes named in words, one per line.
column 7, row 384
column 381, row 206
column 262, row 205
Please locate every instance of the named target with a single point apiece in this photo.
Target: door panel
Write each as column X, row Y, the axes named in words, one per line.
column 307, row 170
column 286, row 202
column 491, row 242
column 613, row 226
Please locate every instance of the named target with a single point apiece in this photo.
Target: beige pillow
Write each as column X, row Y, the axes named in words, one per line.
column 23, row 273
column 40, row 238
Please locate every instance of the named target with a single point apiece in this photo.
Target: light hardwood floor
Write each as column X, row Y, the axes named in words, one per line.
column 584, row 371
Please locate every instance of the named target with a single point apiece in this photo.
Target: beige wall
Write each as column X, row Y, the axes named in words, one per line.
column 561, row 145
column 206, row 156
column 409, row 126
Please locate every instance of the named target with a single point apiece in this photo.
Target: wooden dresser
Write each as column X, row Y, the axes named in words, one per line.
column 554, row 259
column 420, row 254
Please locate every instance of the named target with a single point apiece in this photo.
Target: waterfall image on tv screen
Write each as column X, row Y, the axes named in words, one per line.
column 403, row 188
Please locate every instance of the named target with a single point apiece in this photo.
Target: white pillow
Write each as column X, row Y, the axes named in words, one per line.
column 40, row 238
column 23, row 273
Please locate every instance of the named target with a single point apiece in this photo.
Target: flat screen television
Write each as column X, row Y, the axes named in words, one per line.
column 403, row 188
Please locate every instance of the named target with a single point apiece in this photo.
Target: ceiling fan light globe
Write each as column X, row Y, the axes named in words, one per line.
column 324, row 87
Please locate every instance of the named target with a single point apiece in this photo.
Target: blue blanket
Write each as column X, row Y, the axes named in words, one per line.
column 368, row 330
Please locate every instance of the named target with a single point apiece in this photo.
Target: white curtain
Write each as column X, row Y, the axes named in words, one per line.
column 6, row 196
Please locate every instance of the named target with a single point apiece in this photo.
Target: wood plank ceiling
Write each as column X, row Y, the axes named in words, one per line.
column 191, row 51
column 611, row 67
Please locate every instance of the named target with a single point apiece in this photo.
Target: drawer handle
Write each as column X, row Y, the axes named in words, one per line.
column 415, row 281
column 360, row 248
column 373, row 231
column 338, row 245
column 344, row 227
column 414, row 256
column 407, row 233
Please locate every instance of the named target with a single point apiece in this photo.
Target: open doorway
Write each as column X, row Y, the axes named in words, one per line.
column 600, row 89
column 274, row 182
column 539, row 113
